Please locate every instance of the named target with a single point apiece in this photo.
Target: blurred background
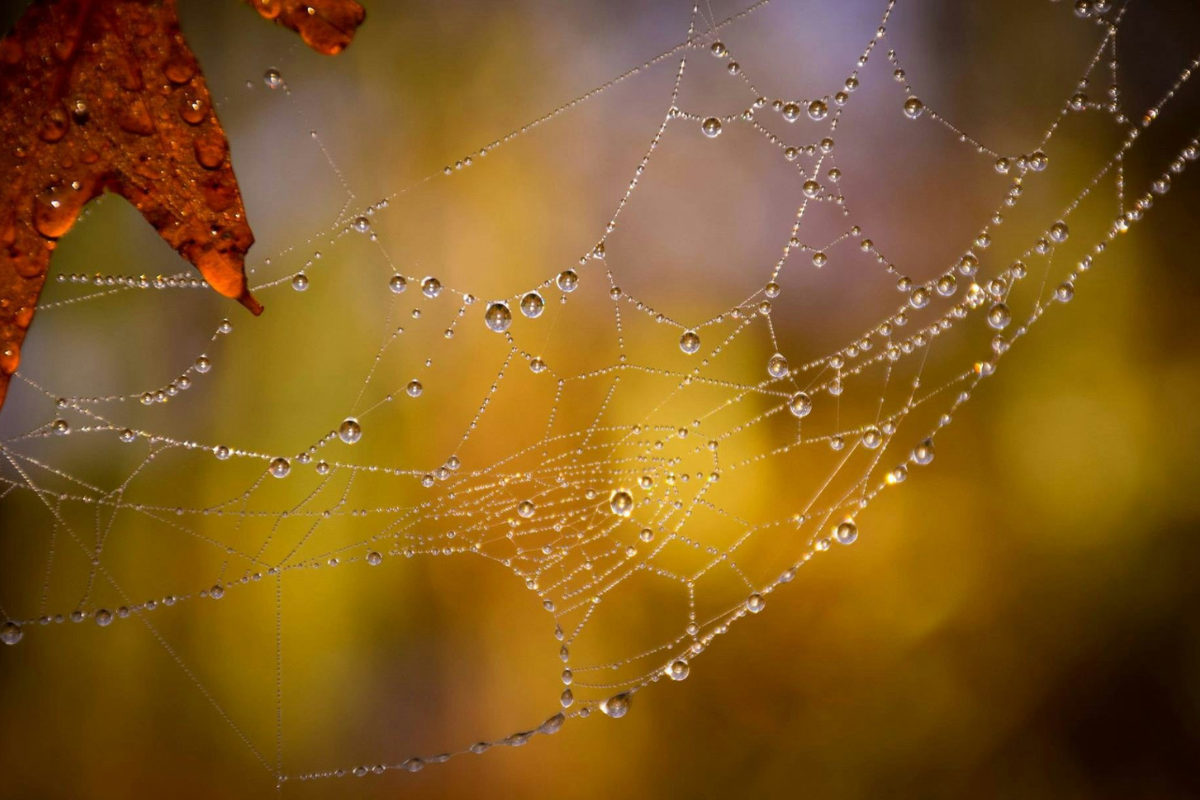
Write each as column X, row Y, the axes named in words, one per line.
column 1020, row 619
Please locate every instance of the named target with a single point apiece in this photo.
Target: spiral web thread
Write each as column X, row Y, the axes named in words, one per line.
column 651, row 494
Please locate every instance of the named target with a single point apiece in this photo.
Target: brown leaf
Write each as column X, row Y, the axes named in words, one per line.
column 106, row 95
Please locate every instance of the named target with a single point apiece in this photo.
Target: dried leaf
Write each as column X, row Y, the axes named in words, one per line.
column 106, row 95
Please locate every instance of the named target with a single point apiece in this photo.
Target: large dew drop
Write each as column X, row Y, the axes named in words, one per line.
column 677, row 670
column 10, row 633
column 532, row 305
column 350, row 431
column 621, row 503
column 617, row 706
column 498, row 317
column 800, row 405
column 689, row 342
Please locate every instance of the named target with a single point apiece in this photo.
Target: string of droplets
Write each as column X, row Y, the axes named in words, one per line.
column 486, row 490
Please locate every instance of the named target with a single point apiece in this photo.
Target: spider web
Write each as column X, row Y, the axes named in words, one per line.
column 650, row 473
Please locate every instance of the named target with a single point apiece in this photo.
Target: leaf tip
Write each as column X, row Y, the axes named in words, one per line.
column 247, row 299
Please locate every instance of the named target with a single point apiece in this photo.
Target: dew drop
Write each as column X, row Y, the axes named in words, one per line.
column 552, row 725
column 280, row 467
column 616, row 706
column 800, row 405
column 872, row 438
column 846, row 532
column 923, row 453
column 350, row 431
column 689, row 342
column 498, row 317
column 273, row 79
column 913, row 108
column 755, row 603
column 532, row 305
column 999, row 316
column 567, row 280
column 777, row 366
column 621, row 503
column 10, row 633
column 711, row 127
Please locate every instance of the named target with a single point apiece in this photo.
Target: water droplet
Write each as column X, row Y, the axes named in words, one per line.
column 913, row 108
column 361, row 224
column 532, row 305
column 567, row 280
column 800, row 405
column 689, row 342
column 374, row 558
column 526, row 508
column 203, row 364
column 621, row 503
column 300, row 282
column 872, row 438
column 755, row 603
column 104, row 618
column 397, row 284
column 414, row 388
column 1059, row 232
column 678, row 669
column 777, row 366
column 616, row 706
column 817, row 110
column 498, row 317
column 552, row 725
column 273, row 79
column 711, row 127
column 923, row 452
column 10, row 633
column 350, row 431
column 431, row 287
column 280, row 467
column 846, row 532
column 999, row 316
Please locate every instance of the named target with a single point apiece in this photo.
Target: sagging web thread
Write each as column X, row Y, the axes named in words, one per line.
column 577, row 513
